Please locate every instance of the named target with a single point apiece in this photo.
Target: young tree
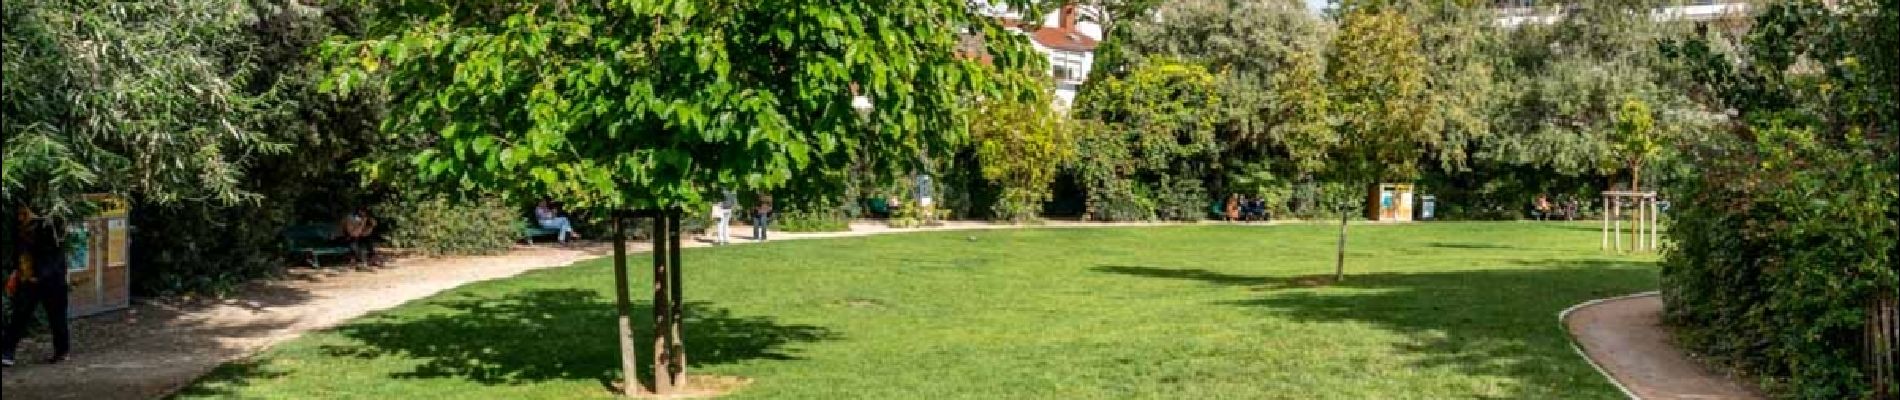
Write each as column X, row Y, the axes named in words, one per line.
column 1635, row 140
column 650, row 104
column 1378, row 81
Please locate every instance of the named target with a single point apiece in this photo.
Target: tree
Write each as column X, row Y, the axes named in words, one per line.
column 1021, row 146
column 1378, row 82
column 652, row 104
column 1635, row 138
column 1147, row 139
column 1267, row 59
column 139, row 99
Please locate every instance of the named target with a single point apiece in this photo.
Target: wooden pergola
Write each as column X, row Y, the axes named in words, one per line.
column 1644, row 233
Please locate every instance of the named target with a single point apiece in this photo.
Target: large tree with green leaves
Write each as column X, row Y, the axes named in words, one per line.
column 651, row 104
column 1267, row 59
column 1021, row 145
column 1146, row 140
column 144, row 99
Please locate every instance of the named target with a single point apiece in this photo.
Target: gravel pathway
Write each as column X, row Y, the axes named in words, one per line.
column 1626, row 338
column 158, row 347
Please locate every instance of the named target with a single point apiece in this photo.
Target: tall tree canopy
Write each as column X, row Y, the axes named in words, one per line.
column 1266, row 57
column 150, row 98
column 638, row 104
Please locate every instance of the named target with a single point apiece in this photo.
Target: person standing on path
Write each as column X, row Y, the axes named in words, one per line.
column 761, row 216
column 722, row 217
column 39, row 283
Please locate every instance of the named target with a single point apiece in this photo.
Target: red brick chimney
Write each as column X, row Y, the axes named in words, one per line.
column 1068, row 17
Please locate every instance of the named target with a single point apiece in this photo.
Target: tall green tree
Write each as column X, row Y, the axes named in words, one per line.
column 1021, row 147
column 142, row 99
column 1146, row 141
column 1267, row 57
column 650, row 104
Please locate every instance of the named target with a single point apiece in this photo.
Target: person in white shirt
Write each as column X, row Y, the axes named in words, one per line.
column 722, row 217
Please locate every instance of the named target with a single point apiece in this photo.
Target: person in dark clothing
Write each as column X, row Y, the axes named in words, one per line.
column 356, row 229
column 40, row 282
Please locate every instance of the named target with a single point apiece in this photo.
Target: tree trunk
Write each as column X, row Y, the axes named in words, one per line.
column 1636, row 178
column 678, row 312
column 629, row 370
column 1883, row 346
column 662, row 308
column 1339, row 263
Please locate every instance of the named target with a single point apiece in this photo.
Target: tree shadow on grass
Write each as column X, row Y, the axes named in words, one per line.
column 1482, row 322
column 1470, row 246
column 550, row 334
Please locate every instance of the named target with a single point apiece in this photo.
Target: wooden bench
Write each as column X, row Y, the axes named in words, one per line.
column 313, row 241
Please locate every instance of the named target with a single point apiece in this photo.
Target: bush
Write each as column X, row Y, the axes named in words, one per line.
column 809, row 221
column 204, row 248
column 1777, row 255
column 436, row 226
column 1182, row 200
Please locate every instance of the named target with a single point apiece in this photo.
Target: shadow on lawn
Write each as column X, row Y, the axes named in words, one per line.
column 549, row 334
column 1487, row 322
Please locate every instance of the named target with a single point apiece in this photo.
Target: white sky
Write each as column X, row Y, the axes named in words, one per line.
column 1315, row 5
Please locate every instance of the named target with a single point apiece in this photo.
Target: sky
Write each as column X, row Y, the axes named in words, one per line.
column 1315, row 5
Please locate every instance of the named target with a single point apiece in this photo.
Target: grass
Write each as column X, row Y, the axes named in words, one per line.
column 1439, row 310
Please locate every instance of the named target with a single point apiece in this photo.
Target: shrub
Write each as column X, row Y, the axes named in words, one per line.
column 1778, row 252
column 811, row 221
column 437, row 226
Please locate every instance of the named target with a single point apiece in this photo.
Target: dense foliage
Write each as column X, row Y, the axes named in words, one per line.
column 188, row 107
column 1021, row 146
column 148, row 99
column 439, row 226
column 1147, row 140
column 1786, row 239
column 642, row 104
column 810, row 221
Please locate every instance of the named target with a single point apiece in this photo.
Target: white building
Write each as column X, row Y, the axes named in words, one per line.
column 1512, row 13
column 1067, row 37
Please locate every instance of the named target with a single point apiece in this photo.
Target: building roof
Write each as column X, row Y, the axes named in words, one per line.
column 1063, row 38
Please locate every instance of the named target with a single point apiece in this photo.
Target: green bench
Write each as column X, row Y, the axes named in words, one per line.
column 312, row 241
column 529, row 230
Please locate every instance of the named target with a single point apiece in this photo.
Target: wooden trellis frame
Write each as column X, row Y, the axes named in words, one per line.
column 1644, row 232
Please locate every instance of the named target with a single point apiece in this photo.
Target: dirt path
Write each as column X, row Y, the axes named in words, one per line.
column 1625, row 337
column 158, row 347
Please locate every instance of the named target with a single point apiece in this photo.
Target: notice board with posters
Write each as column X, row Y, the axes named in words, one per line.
column 98, row 263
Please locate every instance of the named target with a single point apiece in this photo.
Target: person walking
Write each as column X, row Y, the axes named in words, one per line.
column 722, row 218
column 39, row 283
column 761, row 216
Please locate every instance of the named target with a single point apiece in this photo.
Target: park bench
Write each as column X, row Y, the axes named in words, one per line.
column 878, row 206
column 312, row 241
column 529, row 230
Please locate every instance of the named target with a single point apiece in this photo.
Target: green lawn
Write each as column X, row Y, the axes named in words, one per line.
column 1435, row 310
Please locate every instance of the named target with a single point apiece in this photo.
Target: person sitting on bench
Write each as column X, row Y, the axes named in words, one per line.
column 550, row 218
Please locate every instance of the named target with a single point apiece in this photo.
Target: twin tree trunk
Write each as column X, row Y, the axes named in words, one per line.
column 669, row 346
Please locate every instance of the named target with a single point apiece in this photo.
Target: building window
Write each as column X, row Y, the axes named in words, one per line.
column 1064, row 73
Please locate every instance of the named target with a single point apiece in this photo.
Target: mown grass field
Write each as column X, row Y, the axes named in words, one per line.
column 1430, row 310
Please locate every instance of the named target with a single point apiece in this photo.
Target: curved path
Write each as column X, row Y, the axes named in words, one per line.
column 158, row 347
column 1624, row 337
